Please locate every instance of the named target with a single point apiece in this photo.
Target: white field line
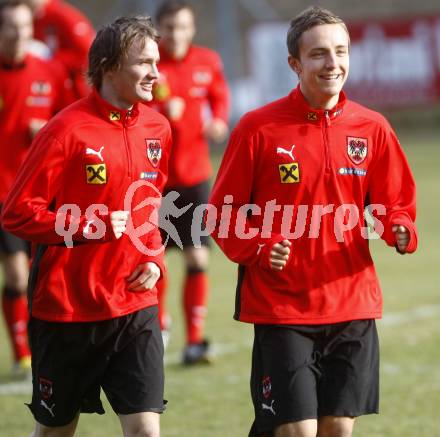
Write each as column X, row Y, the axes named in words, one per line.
column 16, row 388
column 409, row 316
column 390, row 319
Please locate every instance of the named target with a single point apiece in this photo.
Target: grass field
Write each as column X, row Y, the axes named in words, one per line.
column 214, row 401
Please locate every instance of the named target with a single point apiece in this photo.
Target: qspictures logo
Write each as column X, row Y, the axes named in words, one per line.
column 293, row 221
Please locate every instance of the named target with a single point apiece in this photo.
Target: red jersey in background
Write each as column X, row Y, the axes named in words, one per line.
column 199, row 80
column 30, row 94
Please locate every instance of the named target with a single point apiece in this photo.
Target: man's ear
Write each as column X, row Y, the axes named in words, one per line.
column 294, row 64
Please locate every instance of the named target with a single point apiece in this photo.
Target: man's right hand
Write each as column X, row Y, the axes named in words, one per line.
column 279, row 255
column 118, row 221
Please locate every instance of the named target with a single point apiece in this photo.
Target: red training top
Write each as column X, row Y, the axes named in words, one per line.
column 321, row 168
column 199, row 80
column 90, row 153
column 30, row 94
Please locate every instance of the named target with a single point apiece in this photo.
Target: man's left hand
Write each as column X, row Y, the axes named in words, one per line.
column 144, row 277
column 402, row 238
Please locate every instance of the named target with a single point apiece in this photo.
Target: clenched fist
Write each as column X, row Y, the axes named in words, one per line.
column 118, row 221
column 279, row 255
column 402, row 238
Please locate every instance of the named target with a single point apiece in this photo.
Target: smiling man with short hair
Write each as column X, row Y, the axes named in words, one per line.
column 312, row 162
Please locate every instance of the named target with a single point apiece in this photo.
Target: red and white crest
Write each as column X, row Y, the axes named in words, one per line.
column 154, row 151
column 357, row 149
column 267, row 387
column 46, row 388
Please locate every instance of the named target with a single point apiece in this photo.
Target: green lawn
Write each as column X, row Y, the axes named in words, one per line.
column 214, row 401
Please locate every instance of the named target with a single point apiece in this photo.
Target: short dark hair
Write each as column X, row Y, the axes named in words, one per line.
column 4, row 4
column 311, row 17
column 171, row 7
column 112, row 43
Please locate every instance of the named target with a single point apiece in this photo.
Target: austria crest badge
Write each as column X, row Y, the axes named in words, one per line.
column 154, row 151
column 267, row 387
column 357, row 149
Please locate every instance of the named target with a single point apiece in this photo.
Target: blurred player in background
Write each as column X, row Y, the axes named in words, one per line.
column 306, row 278
column 192, row 93
column 31, row 91
column 67, row 33
column 94, row 317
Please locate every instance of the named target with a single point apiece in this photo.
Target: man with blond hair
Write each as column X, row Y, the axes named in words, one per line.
column 92, row 296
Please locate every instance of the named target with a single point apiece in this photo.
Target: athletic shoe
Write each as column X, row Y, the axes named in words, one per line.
column 197, row 353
